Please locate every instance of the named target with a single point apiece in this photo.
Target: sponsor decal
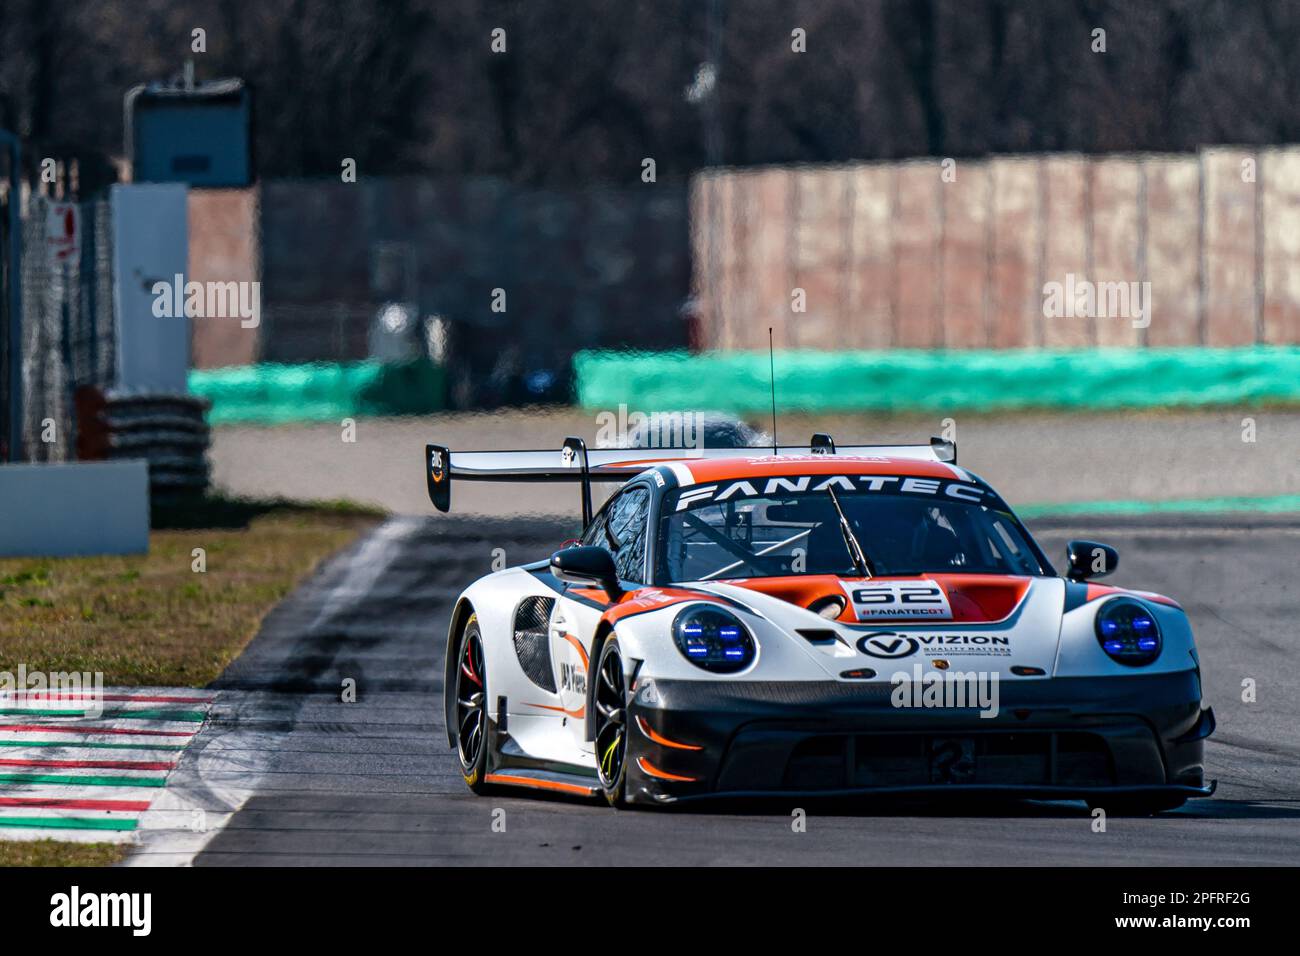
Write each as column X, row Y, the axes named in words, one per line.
column 887, row 645
column 964, row 645
column 694, row 495
column 573, row 678
column 889, row 484
column 936, row 647
column 898, row 601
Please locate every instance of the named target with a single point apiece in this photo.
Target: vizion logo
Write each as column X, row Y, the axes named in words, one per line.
column 887, row 645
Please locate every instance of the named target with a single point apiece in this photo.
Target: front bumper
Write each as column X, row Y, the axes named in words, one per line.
column 1052, row 738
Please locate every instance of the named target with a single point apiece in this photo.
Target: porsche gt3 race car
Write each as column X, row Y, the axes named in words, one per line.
column 812, row 621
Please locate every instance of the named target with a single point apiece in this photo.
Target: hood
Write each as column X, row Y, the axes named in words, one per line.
column 961, row 598
column 957, row 622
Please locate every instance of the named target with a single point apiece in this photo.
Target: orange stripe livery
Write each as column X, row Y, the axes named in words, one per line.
column 660, row 739
column 556, row 785
column 654, row 771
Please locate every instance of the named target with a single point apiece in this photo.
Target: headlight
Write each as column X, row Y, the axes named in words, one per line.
column 714, row 639
column 1128, row 632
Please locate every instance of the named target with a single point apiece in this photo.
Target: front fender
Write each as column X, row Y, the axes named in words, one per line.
column 1080, row 654
column 648, row 638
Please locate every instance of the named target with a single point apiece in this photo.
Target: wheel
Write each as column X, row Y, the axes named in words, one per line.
column 611, row 723
column 1138, row 806
column 472, row 707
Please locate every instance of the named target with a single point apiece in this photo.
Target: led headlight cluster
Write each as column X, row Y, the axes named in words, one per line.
column 1128, row 632
column 714, row 639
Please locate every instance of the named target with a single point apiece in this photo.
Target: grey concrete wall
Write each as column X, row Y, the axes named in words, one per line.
column 83, row 508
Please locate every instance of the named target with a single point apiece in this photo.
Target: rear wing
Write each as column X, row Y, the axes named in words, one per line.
column 573, row 461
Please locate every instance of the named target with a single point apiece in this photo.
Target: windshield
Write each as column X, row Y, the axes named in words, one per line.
column 776, row 534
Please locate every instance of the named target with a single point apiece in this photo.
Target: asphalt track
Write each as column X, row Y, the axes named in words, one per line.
column 373, row 783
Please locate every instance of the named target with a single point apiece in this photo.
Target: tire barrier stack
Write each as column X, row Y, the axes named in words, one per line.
column 170, row 432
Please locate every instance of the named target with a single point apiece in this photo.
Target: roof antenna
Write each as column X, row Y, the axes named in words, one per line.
column 771, row 377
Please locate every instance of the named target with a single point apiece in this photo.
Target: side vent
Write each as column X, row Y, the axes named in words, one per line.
column 532, row 645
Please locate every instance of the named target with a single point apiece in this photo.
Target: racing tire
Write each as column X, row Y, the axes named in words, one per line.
column 471, row 712
column 610, row 703
column 1138, row 806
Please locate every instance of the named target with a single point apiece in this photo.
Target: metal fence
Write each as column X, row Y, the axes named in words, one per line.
column 328, row 332
column 67, row 328
column 10, row 372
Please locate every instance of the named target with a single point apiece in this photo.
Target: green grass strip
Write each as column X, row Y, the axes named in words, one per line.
column 1275, row 504
column 82, row 781
column 68, row 823
column 77, row 743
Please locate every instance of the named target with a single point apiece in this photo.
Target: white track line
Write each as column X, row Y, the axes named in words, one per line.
column 218, row 774
column 25, row 835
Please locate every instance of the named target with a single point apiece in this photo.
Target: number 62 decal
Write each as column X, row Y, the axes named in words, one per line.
column 896, row 600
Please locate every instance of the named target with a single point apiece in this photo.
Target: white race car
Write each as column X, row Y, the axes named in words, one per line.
column 812, row 621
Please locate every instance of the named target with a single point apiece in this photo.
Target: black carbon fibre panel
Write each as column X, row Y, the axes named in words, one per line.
column 532, row 645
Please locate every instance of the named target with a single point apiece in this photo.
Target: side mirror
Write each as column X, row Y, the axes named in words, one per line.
column 587, row 565
column 1090, row 559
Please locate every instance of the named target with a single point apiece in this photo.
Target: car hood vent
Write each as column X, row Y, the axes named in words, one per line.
column 817, row 636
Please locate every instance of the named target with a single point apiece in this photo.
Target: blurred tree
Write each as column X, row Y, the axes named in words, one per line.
column 586, row 89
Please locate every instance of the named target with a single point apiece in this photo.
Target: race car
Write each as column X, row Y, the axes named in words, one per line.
column 811, row 621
